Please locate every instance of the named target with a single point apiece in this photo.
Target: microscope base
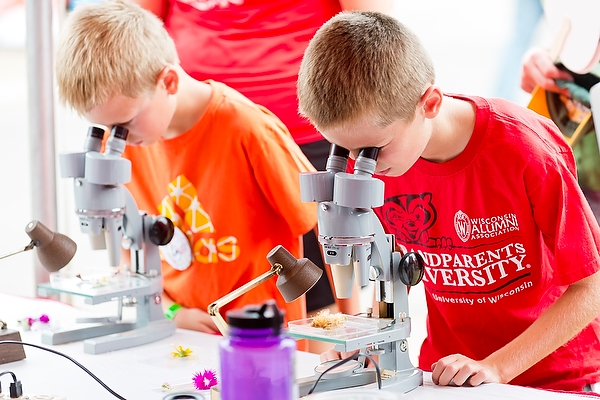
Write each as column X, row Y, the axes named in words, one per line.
column 62, row 336
column 102, row 338
column 401, row 382
column 155, row 330
column 357, row 379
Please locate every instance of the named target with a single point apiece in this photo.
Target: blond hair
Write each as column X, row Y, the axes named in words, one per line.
column 109, row 48
column 362, row 65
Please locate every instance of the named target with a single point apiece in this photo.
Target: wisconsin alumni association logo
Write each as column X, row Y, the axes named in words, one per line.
column 479, row 228
column 462, row 225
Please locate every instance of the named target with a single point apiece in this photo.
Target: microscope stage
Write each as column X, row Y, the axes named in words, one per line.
column 101, row 288
column 352, row 328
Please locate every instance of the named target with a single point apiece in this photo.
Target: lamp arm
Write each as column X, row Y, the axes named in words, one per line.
column 26, row 248
column 213, row 309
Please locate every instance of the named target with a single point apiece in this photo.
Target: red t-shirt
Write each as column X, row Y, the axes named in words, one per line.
column 254, row 46
column 503, row 229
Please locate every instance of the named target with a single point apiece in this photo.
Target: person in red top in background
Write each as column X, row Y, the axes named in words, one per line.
column 255, row 46
column 538, row 69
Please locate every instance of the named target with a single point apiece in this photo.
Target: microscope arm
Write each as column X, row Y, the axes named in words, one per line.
column 142, row 235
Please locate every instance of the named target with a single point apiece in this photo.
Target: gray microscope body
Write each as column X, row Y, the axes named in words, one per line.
column 109, row 215
column 358, row 249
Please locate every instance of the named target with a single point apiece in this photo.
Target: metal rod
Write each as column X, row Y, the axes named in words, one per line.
column 213, row 309
column 41, row 117
column 26, row 248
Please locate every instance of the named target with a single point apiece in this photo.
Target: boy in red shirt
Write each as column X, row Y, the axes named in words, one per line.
column 486, row 191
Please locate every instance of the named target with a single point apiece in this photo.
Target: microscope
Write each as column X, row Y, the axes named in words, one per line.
column 109, row 215
column 357, row 248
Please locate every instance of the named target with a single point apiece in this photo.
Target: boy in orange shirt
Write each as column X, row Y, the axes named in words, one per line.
column 222, row 168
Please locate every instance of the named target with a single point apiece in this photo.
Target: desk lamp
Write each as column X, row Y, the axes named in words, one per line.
column 295, row 277
column 54, row 251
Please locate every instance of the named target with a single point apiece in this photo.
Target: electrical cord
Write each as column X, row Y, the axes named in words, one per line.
column 344, row 361
column 16, row 390
column 68, row 358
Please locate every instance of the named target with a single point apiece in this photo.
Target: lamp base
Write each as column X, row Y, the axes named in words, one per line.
column 10, row 352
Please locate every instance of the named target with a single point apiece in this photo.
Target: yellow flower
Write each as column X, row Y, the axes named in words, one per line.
column 180, row 352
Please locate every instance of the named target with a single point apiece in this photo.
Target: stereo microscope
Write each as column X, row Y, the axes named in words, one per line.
column 357, row 249
column 109, row 215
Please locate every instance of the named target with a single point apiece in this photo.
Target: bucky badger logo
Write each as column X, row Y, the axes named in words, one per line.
column 410, row 216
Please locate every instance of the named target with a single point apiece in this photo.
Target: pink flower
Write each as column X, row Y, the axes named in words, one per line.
column 205, row 380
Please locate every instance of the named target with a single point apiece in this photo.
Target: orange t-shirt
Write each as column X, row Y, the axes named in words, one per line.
column 231, row 184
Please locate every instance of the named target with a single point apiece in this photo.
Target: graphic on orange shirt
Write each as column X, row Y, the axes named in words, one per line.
column 183, row 194
column 182, row 206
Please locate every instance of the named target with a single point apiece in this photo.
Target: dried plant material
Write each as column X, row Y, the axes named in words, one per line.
column 324, row 319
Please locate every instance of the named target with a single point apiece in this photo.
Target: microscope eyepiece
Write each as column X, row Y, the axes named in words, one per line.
column 120, row 132
column 95, row 132
column 338, row 159
column 116, row 141
column 93, row 140
column 369, row 152
column 339, row 151
column 366, row 161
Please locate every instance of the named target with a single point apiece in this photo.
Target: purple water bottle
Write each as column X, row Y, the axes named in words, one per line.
column 257, row 358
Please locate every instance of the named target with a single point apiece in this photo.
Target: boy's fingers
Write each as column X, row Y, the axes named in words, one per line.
column 330, row 355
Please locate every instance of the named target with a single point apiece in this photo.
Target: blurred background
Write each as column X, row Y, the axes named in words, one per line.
column 477, row 47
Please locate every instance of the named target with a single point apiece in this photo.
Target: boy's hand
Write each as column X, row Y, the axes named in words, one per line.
column 538, row 69
column 459, row 370
column 331, row 355
column 195, row 319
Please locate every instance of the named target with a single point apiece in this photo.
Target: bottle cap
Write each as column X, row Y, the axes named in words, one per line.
column 257, row 317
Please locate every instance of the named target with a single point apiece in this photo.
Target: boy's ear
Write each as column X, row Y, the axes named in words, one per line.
column 169, row 78
column 432, row 101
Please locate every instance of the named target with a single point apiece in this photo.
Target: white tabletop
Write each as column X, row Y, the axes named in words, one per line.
column 139, row 372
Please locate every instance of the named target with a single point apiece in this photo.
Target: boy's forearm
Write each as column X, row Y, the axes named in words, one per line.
column 166, row 301
column 563, row 320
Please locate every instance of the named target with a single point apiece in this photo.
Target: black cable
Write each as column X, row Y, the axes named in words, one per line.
column 68, row 358
column 344, row 361
column 15, row 388
column 11, row 373
column 13, row 376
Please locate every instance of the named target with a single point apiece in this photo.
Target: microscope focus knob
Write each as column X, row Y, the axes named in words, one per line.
column 162, row 230
column 412, row 268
